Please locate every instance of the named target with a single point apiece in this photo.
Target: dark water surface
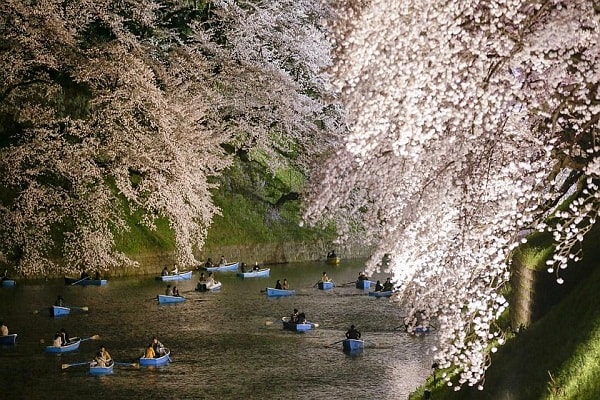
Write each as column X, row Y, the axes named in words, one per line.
column 223, row 344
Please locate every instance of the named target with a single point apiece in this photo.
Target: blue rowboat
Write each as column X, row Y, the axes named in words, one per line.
column 8, row 339
column 226, row 267
column 58, row 311
column 95, row 369
column 326, row 285
column 271, row 292
column 206, row 287
column 420, row 329
column 164, row 299
column 261, row 273
column 156, row 361
column 287, row 324
column 71, row 346
column 363, row 284
column 184, row 276
column 85, row 282
column 381, row 294
column 353, row 345
column 8, row 283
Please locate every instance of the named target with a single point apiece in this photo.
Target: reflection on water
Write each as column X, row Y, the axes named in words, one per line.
column 225, row 345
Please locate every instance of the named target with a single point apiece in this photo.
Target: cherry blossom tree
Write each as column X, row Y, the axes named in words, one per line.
column 117, row 110
column 467, row 118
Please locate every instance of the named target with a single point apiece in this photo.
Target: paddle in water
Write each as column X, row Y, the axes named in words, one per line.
column 65, row 366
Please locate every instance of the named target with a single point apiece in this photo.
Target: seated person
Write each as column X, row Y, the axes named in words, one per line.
column 324, row 277
column 3, row 329
column 175, row 291
column 169, row 291
column 149, row 352
column 158, row 347
column 387, row 285
column 208, row 263
column 243, row 267
column 60, row 302
column 97, row 276
column 256, row 267
column 222, row 261
column 65, row 337
column 352, row 333
column 378, row 286
column 301, row 318
column 362, row 276
column 294, row 317
column 278, row 284
column 99, row 360
column 285, row 285
column 202, row 278
column 84, row 275
column 175, row 270
column 164, row 272
column 57, row 342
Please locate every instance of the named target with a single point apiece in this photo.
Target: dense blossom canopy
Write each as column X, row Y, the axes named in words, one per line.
column 112, row 112
column 469, row 120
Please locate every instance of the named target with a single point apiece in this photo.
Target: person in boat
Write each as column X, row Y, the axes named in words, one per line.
column 285, row 285
column 164, row 272
column 210, row 281
column 97, row 275
column 84, row 275
column 65, row 339
column 378, row 286
column 149, row 352
column 175, row 291
column 99, row 361
column 256, row 267
column 175, row 270
column 208, row 263
column 387, row 285
column 301, row 318
column 57, row 342
column 202, row 277
column 169, row 291
column 222, row 261
column 352, row 333
column 60, row 302
column 243, row 267
column 362, row 276
column 3, row 329
column 324, row 277
column 331, row 254
column 4, row 275
column 278, row 285
column 294, row 316
column 158, row 347
column 105, row 355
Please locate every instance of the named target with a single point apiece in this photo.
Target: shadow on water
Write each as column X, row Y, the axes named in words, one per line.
column 225, row 345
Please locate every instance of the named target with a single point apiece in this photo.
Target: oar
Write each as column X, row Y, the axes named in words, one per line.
column 268, row 323
column 125, row 364
column 314, row 324
column 79, row 308
column 349, row 283
column 339, row 341
column 95, row 337
column 65, row 366
column 372, row 343
column 41, row 309
column 83, row 279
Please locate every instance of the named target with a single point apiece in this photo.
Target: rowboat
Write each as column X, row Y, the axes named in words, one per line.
column 353, row 345
column 8, row 283
column 420, row 329
column 208, row 287
column 226, row 267
column 381, row 294
column 333, row 260
column 363, row 284
column 183, row 276
column 165, row 299
column 156, row 361
column 326, row 285
column 261, row 273
column 59, row 311
column 96, row 369
column 85, row 282
column 271, row 292
column 71, row 346
column 8, row 339
column 292, row 326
